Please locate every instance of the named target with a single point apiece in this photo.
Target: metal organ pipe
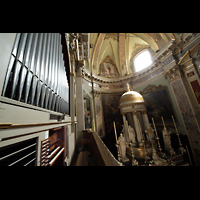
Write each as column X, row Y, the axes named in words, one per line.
column 36, row 72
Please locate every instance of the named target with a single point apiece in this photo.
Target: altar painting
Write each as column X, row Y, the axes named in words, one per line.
column 159, row 104
column 111, row 114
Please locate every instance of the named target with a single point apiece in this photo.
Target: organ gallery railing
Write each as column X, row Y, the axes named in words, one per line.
column 101, row 154
column 36, row 72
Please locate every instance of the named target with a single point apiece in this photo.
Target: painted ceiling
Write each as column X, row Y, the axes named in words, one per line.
column 121, row 48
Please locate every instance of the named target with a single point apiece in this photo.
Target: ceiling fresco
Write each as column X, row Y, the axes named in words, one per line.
column 123, row 47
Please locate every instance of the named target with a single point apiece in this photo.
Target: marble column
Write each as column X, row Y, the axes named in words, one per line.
column 125, row 128
column 136, row 126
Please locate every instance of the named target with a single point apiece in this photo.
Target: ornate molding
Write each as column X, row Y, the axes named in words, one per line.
column 72, row 42
column 173, row 74
column 96, row 94
column 79, row 69
column 151, row 88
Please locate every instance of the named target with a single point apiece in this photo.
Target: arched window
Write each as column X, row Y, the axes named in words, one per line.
column 142, row 61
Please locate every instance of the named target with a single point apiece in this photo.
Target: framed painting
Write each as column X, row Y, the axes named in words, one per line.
column 111, row 113
column 87, row 112
column 99, row 116
column 158, row 103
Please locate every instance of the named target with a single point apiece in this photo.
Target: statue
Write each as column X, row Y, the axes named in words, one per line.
column 131, row 134
column 122, row 147
column 157, row 160
column 167, row 141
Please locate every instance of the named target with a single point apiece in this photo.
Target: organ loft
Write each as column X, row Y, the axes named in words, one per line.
column 99, row 99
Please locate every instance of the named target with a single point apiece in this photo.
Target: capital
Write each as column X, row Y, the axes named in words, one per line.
column 144, row 111
column 134, row 112
column 173, row 74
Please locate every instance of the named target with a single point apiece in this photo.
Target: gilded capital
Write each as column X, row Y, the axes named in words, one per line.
column 134, row 112
column 144, row 111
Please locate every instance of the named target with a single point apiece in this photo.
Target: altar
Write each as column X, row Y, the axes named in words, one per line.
column 139, row 142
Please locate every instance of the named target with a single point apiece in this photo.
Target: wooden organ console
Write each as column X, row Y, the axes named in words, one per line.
column 52, row 148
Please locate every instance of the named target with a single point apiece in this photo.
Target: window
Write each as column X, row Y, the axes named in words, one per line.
column 142, row 61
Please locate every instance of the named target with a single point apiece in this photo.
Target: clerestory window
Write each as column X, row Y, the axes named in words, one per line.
column 142, row 61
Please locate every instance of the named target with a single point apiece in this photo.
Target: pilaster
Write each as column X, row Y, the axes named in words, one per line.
column 175, row 78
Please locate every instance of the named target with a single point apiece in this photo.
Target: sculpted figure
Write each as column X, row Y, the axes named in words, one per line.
column 122, row 147
column 131, row 134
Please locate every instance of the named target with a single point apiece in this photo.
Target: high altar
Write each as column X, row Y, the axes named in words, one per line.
column 138, row 142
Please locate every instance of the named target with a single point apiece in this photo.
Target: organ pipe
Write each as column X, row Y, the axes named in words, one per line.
column 36, row 72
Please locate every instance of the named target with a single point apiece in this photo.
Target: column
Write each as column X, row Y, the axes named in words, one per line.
column 136, row 125
column 146, row 123
column 125, row 128
column 80, row 107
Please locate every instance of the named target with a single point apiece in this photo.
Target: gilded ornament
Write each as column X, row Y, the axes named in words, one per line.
column 131, row 96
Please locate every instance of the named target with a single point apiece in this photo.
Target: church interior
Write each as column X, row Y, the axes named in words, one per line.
column 100, row 99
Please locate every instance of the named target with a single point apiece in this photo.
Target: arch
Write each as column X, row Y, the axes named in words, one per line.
column 109, row 53
column 96, row 52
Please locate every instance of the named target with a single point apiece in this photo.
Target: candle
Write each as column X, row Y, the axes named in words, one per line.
column 115, row 131
column 174, row 124
column 154, row 127
column 163, row 121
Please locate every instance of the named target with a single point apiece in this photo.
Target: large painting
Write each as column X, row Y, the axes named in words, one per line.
column 111, row 114
column 87, row 113
column 159, row 104
column 108, row 68
column 99, row 120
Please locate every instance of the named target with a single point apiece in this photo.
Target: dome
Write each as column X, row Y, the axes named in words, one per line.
column 131, row 97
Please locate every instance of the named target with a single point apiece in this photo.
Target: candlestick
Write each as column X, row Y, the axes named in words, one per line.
column 154, row 126
column 115, row 131
column 181, row 149
column 163, row 122
column 159, row 146
column 174, row 124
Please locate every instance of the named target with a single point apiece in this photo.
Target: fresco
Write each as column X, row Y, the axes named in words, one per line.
column 108, row 68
